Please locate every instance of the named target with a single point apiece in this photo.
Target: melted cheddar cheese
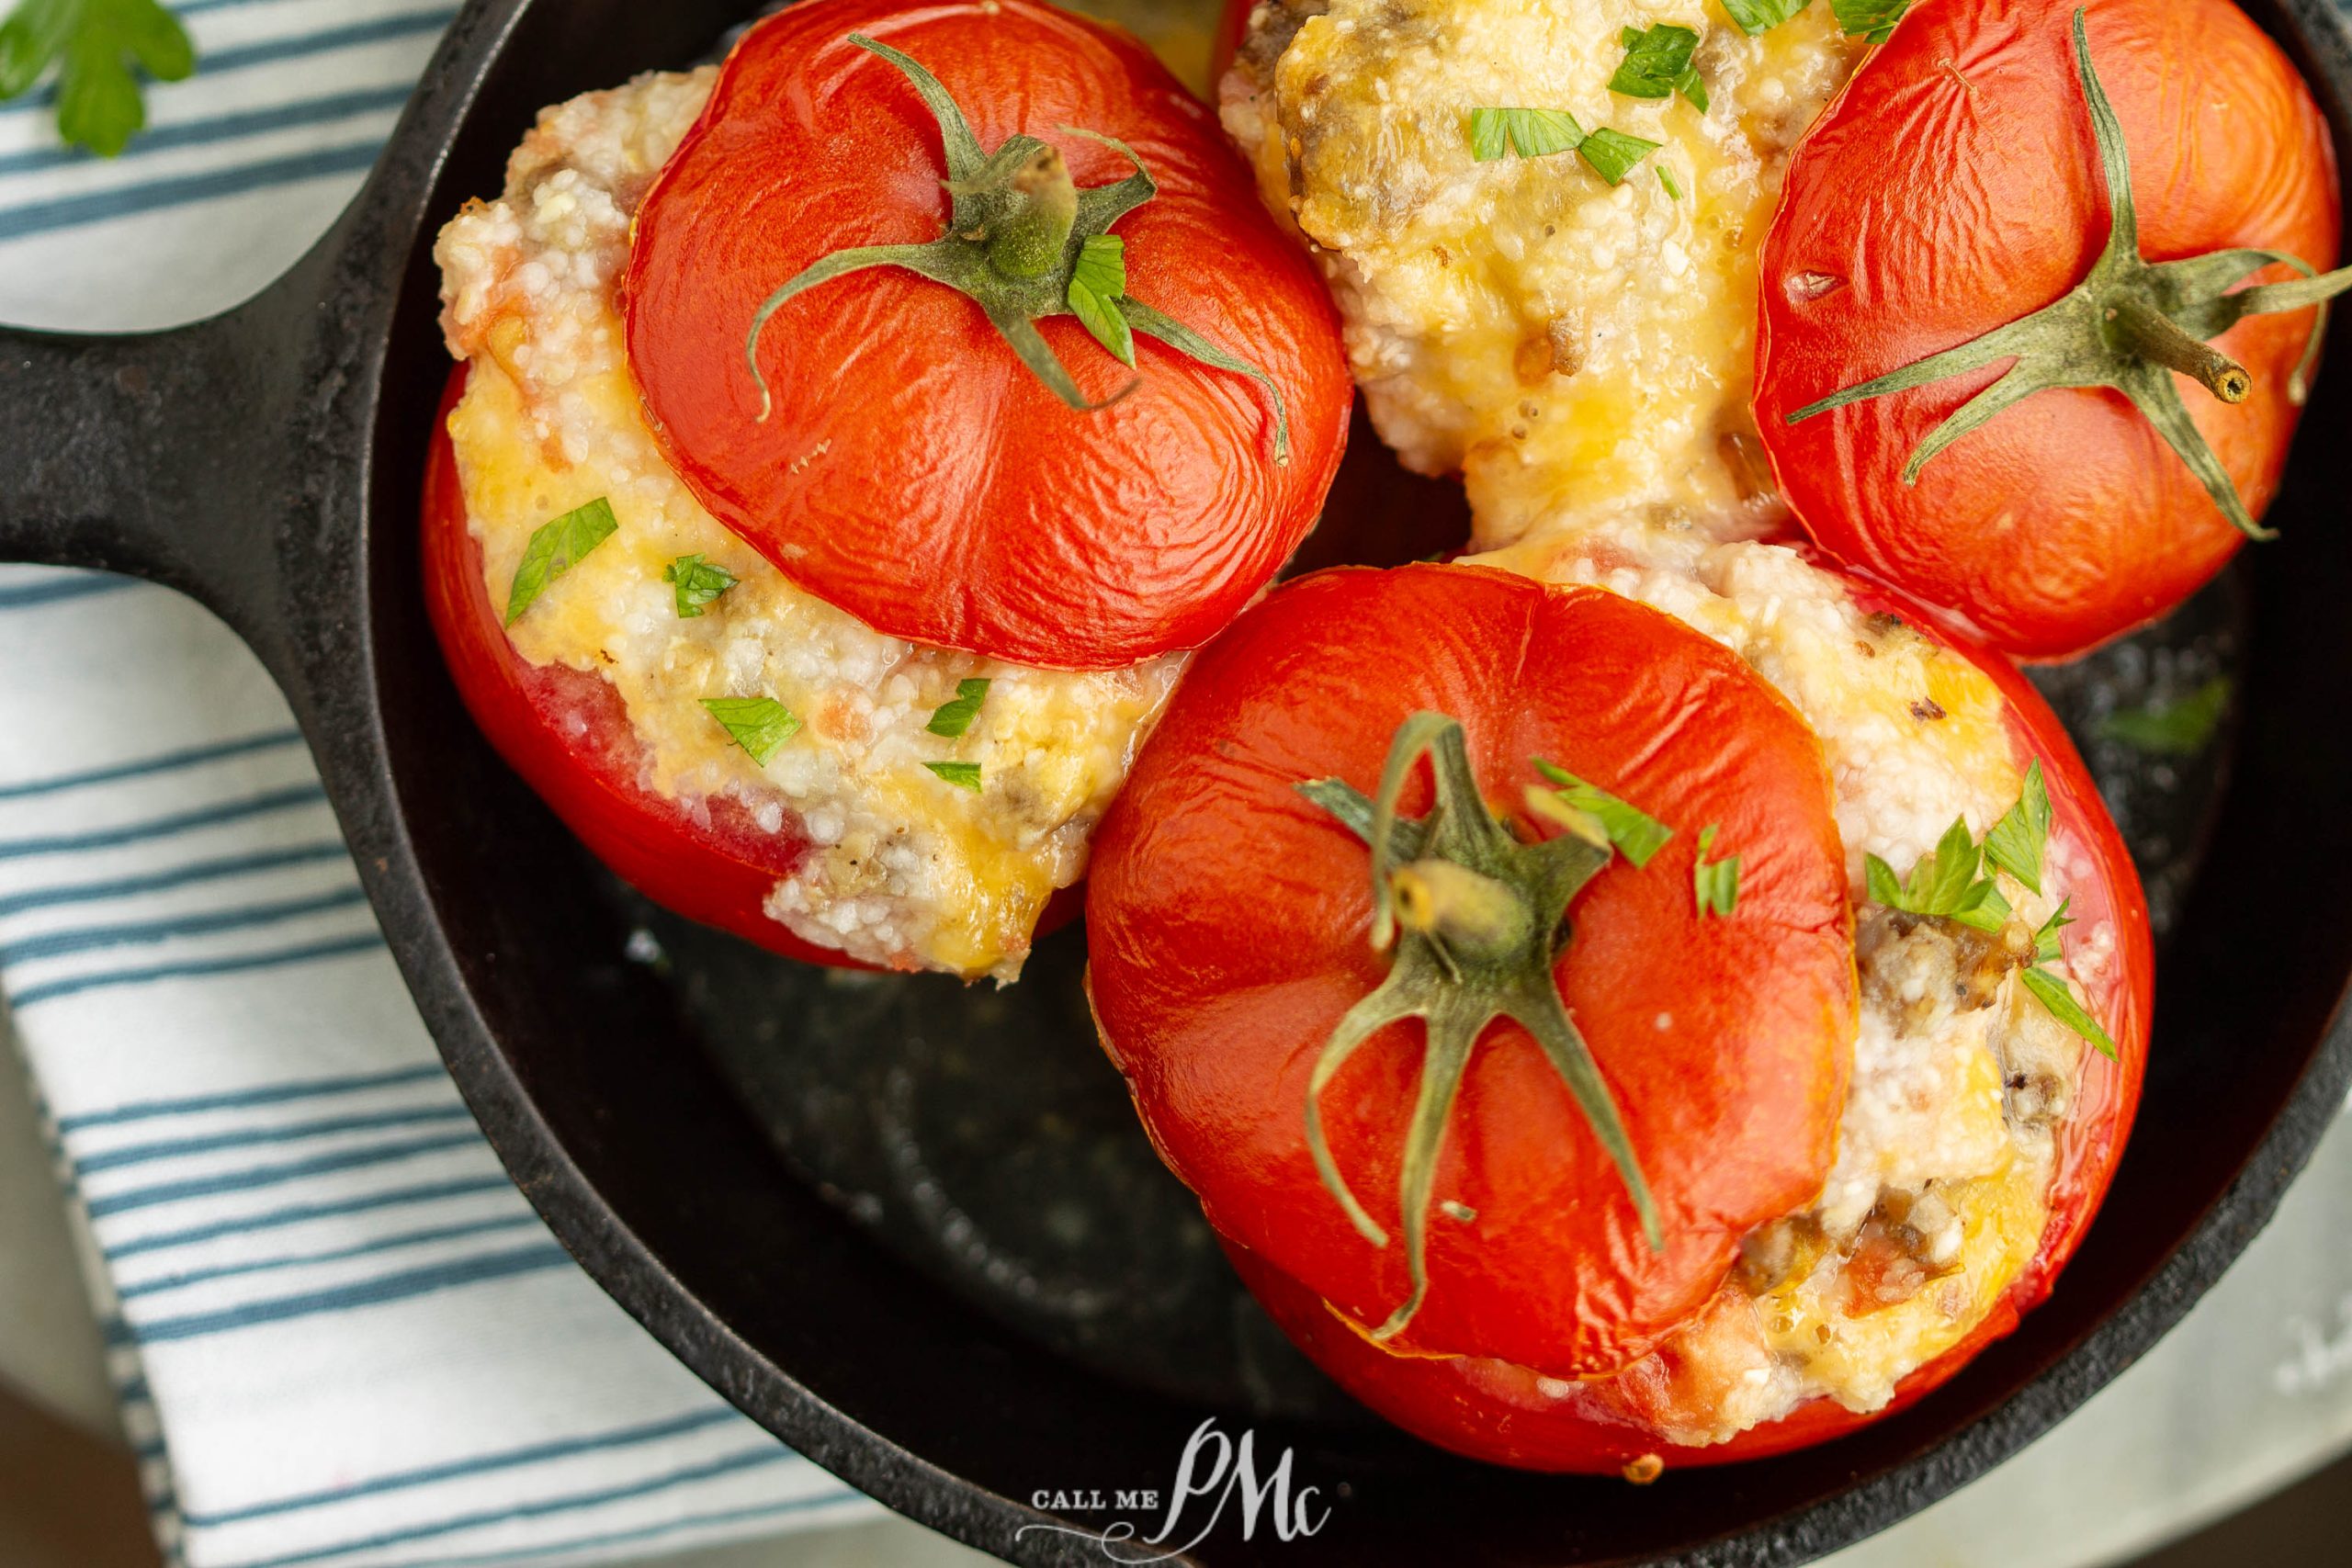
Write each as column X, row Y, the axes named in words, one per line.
column 1562, row 342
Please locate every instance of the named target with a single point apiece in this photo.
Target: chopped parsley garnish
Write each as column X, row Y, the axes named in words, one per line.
column 954, row 716
column 2045, row 941
column 1944, row 881
column 1756, row 17
column 698, row 583
column 555, row 548
column 1539, row 133
column 2016, row 842
column 1098, row 277
column 1716, row 882
column 963, row 775
column 1530, row 133
column 1657, row 65
column 1613, row 155
column 2053, row 992
column 2182, row 729
column 1665, row 179
column 1634, row 833
column 1874, row 19
column 760, row 725
column 94, row 44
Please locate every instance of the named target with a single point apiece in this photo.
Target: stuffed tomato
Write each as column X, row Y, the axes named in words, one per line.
column 1612, row 258
column 1737, row 1031
column 855, row 438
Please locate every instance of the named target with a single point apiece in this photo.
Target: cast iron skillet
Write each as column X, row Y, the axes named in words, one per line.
column 268, row 461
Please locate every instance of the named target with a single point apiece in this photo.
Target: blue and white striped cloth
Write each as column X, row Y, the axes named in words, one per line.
column 341, row 1336
column 240, row 168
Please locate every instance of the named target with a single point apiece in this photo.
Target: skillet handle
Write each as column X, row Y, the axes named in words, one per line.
column 154, row 454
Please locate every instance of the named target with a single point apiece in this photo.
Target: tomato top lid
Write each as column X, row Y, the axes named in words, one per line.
column 965, row 317
column 1471, row 1126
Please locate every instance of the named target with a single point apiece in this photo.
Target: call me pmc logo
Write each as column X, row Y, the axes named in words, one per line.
column 1216, row 1472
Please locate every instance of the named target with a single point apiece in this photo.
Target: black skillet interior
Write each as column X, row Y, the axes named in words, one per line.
column 615, row 1089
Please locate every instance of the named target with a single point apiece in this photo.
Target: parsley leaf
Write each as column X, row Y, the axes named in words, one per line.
column 2045, row 941
column 94, row 44
column 1665, row 179
column 1875, row 19
column 1613, row 155
column 1716, row 882
column 1102, row 265
column 760, row 725
column 2053, row 993
column 2016, row 840
column 954, row 716
column 2173, row 729
column 963, row 775
column 698, row 583
column 1633, row 832
column 1756, row 17
column 1657, row 65
column 1944, row 883
column 1099, row 278
column 555, row 548
column 1531, row 134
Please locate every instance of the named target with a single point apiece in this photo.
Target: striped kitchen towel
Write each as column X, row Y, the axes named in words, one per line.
column 340, row 1335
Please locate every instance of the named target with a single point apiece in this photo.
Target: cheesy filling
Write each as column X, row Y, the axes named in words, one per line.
column 1583, row 354
column 1939, row 1195
column 903, row 869
column 1559, row 341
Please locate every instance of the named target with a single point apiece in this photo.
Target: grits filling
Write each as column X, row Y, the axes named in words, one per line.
column 1962, row 1081
column 1559, row 341
column 1582, row 354
column 902, row 868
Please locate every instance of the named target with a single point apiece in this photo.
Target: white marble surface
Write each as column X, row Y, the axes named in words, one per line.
column 2253, row 1390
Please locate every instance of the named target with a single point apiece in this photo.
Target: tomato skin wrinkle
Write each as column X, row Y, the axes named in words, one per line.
column 913, row 470
column 1955, row 187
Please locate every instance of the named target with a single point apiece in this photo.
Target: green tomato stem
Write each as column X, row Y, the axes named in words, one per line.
column 1032, row 238
column 1016, row 231
column 1477, row 920
column 1475, row 915
column 2137, row 327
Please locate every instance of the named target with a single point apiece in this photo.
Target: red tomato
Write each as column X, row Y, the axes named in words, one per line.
column 565, row 732
column 1493, row 1409
column 1227, row 921
column 1955, row 187
column 913, row 471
